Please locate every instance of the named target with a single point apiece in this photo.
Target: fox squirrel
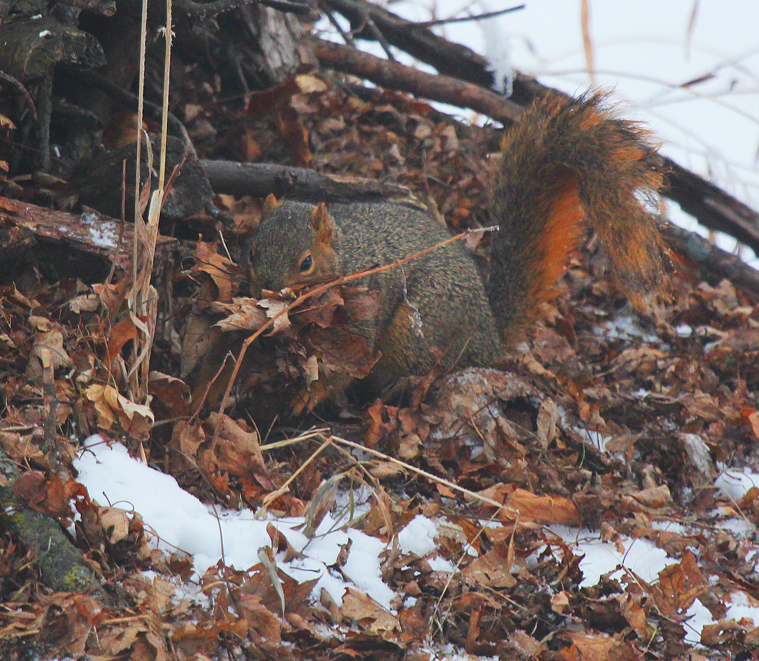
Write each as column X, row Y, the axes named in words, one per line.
column 566, row 161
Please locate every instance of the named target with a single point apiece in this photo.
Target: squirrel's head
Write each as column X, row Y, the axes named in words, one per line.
column 293, row 247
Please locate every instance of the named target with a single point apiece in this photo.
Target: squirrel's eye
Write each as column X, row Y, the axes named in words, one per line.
column 306, row 264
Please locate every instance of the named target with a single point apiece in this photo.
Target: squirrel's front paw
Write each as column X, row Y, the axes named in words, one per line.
column 309, row 397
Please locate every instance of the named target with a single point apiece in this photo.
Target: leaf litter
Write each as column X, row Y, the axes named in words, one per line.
column 597, row 499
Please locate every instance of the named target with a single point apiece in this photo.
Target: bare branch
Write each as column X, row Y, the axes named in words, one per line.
column 397, row 76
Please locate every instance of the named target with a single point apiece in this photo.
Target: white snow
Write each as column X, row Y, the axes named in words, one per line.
column 741, row 608
column 698, row 618
column 624, row 327
column 736, row 484
column 639, row 556
column 181, row 521
column 418, row 537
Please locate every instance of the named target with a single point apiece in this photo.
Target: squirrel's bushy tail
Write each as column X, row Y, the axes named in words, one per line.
column 568, row 162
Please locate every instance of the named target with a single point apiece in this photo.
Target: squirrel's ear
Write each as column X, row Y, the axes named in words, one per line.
column 322, row 223
column 270, row 203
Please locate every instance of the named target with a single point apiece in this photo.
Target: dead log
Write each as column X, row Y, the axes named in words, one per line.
column 711, row 206
column 30, row 48
column 711, row 259
column 89, row 231
column 260, row 179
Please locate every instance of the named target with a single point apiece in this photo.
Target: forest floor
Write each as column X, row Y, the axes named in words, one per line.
column 595, row 500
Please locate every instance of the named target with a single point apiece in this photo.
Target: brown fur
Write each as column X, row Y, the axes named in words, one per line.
column 570, row 161
column 567, row 163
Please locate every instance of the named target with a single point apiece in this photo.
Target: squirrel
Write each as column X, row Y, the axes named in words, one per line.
column 566, row 163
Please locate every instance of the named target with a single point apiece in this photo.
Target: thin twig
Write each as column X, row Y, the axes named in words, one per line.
column 466, row 19
column 435, row 478
column 327, row 441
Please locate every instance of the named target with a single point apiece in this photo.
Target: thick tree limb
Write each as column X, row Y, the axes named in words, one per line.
column 260, row 179
column 398, row 76
column 712, row 259
column 711, row 206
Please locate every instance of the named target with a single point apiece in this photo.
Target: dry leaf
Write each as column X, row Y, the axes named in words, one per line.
column 542, row 509
column 361, row 608
column 111, row 406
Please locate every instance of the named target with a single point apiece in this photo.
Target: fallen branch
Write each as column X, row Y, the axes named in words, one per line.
column 711, row 258
column 90, row 231
column 60, row 564
column 400, row 77
column 418, row 40
column 260, row 179
column 711, row 206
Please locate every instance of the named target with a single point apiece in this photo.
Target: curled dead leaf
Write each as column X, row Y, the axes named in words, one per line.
column 250, row 314
column 547, row 418
column 360, row 607
column 48, row 351
column 115, row 523
column 321, row 504
column 222, row 271
column 47, row 494
column 492, row 569
column 112, row 406
column 84, row 303
column 41, row 324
